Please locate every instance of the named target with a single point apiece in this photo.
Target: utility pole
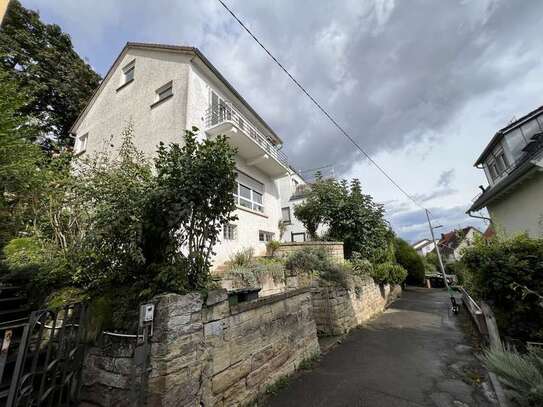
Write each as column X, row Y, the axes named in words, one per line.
column 437, row 250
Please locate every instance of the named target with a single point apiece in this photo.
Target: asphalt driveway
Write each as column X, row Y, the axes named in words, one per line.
column 416, row 354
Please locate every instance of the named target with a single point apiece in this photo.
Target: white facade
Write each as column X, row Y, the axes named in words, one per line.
column 513, row 164
column 288, row 187
column 424, row 247
column 163, row 90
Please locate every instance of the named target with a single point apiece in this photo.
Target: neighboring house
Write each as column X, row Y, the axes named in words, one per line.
column 424, row 246
column 163, row 90
column 292, row 189
column 513, row 164
column 453, row 243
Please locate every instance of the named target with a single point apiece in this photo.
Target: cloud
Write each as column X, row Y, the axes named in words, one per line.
column 413, row 225
column 420, row 85
column 445, row 178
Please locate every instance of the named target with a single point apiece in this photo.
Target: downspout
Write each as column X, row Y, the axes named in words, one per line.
column 480, row 217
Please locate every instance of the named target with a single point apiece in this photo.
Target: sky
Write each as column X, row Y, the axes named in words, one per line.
column 421, row 85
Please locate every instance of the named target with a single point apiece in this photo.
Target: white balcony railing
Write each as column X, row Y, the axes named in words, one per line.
column 226, row 113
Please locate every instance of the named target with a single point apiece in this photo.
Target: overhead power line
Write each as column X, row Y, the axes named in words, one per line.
column 321, row 108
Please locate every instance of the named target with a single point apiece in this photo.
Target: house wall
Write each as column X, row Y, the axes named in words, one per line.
column 114, row 109
column 166, row 122
column 287, row 188
column 249, row 223
column 521, row 210
column 468, row 240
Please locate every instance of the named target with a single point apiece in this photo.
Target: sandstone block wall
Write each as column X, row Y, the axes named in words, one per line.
column 334, row 249
column 107, row 374
column 211, row 352
column 337, row 309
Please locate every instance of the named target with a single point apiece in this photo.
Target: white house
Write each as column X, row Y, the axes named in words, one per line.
column 513, row 164
column 424, row 246
column 292, row 190
column 452, row 244
column 163, row 90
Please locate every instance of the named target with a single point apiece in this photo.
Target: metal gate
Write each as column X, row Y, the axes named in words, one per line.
column 41, row 358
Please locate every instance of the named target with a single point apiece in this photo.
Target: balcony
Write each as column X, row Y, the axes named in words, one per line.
column 255, row 148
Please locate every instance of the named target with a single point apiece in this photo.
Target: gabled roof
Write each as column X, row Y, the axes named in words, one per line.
column 452, row 239
column 179, row 49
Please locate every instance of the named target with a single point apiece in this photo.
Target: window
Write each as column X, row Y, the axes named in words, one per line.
column 163, row 93
column 493, row 170
column 286, row 214
column 501, row 160
column 220, row 111
column 230, row 232
column 249, row 193
column 81, row 143
column 264, row 236
column 128, row 72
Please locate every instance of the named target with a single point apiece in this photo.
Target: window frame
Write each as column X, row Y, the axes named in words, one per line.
column 163, row 93
column 230, row 232
column 254, row 205
column 289, row 220
column 129, row 72
column 265, row 236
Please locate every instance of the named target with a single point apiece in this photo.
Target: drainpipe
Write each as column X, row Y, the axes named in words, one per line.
column 480, row 217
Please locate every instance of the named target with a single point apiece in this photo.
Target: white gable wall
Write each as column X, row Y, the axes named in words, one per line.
column 166, row 122
column 114, row 109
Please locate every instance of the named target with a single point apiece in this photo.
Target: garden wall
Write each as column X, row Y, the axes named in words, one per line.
column 212, row 352
column 333, row 249
column 107, row 373
column 337, row 309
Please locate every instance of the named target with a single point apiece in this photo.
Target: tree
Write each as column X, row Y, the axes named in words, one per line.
column 410, row 260
column 41, row 59
column 350, row 215
column 191, row 202
column 19, row 161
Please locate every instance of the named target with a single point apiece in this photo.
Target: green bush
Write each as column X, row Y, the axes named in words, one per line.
column 242, row 258
column 522, row 374
column 340, row 273
column 361, row 267
column 411, row 261
column 308, row 260
column 389, row 273
column 494, row 270
column 396, row 274
column 24, row 252
column 458, row 269
column 251, row 271
column 272, row 246
column 272, row 267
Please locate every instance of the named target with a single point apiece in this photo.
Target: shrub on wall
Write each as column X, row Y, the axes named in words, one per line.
column 410, row 260
column 307, row 260
column 250, row 271
column 494, row 271
column 389, row 273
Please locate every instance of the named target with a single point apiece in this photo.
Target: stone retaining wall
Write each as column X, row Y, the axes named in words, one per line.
column 337, row 310
column 212, row 352
column 334, row 249
column 107, row 373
